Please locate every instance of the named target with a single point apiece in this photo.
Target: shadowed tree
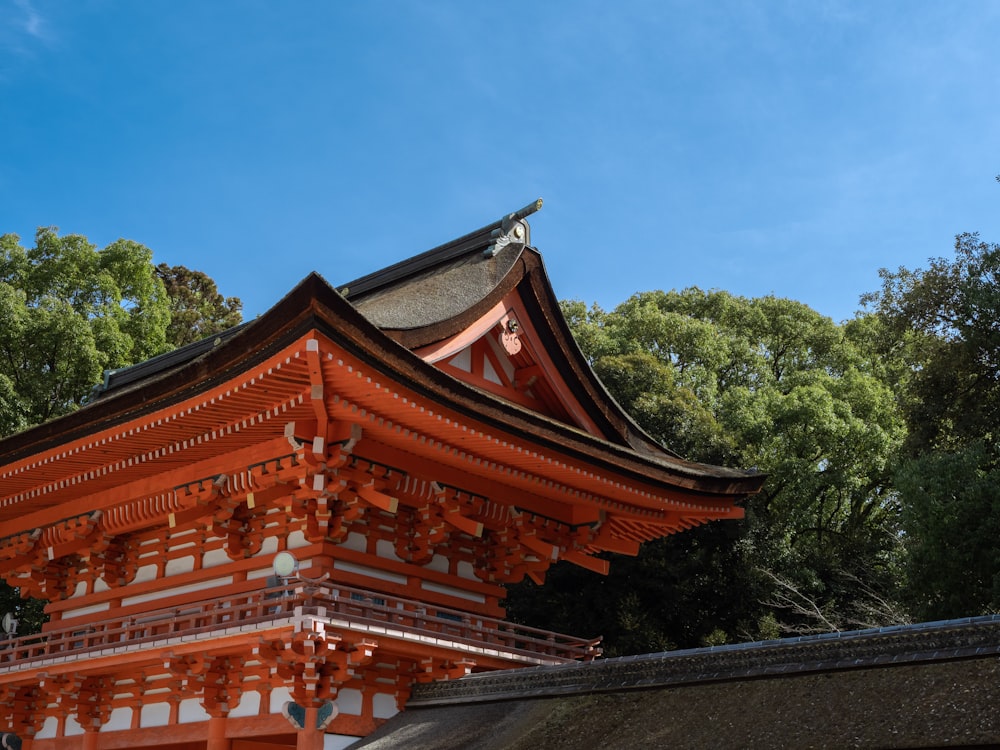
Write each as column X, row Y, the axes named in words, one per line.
column 943, row 322
column 197, row 309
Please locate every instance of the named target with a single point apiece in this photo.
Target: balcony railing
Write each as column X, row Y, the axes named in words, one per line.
column 342, row 607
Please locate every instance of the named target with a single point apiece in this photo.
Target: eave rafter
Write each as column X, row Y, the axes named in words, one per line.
column 173, row 436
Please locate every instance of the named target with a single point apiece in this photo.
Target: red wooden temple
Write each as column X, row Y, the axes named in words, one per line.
column 416, row 440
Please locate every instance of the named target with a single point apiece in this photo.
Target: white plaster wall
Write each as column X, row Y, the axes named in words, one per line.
column 466, row 571
column 489, row 373
column 249, row 705
column 279, row 697
column 269, row 547
column 120, row 718
column 438, row 563
column 179, row 565
column 297, row 539
column 145, row 573
column 154, row 715
column 191, row 712
column 213, row 558
column 349, row 702
column 356, row 541
column 70, row 613
column 72, row 728
column 364, row 570
column 49, row 729
column 385, row 548
column 384, row 706
column 462, row 360
column 259, row 573
column 191, row 587
column 451, row 591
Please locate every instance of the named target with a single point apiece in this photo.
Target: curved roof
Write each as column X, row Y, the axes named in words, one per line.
column 383, row 319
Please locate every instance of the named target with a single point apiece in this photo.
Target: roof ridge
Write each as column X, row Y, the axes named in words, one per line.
column 435, row 256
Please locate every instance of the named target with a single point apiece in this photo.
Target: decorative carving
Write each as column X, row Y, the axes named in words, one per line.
column 90, row 699
column 48, row 579
column 504, row 560
column 23, row 709
column 219, row 679
column 418, row 532
column 315, row 664
column 222, row 685
column 116, row 560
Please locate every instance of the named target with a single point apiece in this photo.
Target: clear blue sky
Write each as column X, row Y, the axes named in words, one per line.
column 761, row 147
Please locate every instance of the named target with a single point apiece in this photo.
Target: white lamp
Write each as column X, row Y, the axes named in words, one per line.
column 285, row 565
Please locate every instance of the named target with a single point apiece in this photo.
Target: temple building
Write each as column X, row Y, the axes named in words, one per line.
column 266, row 539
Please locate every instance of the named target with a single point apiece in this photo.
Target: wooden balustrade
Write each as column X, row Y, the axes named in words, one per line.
column 359, row 608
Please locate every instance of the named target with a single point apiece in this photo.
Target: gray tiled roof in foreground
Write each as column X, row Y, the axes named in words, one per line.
column 927, row 685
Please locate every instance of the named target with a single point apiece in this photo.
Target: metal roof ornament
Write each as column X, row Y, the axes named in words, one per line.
column 513, row 230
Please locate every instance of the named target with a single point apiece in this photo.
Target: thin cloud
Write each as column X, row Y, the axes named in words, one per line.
column 32, row 21
column 24, row 28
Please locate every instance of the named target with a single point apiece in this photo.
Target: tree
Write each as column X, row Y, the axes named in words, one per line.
column 197, row 310
column 68, row 312
column 765, row 383
column 943, row 322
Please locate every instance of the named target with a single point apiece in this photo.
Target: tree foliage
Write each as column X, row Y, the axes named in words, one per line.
column 68, row 312
column 943, row 323
column 766, row 383
column 197, row 309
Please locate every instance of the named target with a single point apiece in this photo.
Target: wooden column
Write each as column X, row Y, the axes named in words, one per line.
column 309, row 737
column 89, row 740
column 217, row 734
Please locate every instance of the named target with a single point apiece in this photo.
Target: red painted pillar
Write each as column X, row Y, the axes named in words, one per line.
column 309, row 737
column 89, row 740
column 217, row 734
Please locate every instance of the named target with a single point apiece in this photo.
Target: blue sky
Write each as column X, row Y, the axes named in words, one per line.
column 791, row 148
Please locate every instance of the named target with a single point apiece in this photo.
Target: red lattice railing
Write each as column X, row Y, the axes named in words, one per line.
column 342, row 606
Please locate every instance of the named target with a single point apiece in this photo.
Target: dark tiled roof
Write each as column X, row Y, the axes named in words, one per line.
column 150, row 367
column 433, row 295
column 928, row 685
column 473, row 242
column 415, row 292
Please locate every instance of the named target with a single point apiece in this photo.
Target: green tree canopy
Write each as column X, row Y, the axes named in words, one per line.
column 943, row 323
column 765, row 383
column 69, row 311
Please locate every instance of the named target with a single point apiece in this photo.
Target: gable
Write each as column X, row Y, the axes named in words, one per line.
column 502, row 353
